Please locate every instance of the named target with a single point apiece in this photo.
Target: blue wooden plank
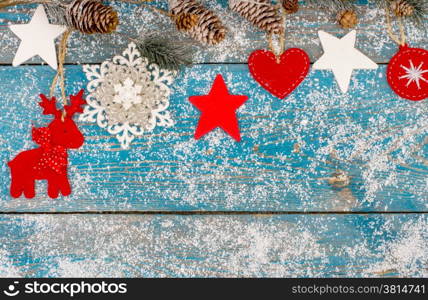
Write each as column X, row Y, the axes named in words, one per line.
column 285, row 162
column 213, row 246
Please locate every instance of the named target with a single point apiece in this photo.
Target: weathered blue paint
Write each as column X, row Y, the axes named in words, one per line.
column 169, row 170
column 290, row 150
column 212, row 246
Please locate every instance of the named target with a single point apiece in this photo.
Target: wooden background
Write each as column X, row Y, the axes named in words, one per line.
column 173, row 206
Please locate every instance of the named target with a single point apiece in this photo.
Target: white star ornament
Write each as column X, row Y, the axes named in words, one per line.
column 341, row 57
column 37, row 38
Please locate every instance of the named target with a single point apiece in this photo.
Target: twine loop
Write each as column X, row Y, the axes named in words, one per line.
column 400, row 40
column 62, row 51
column 281, row 37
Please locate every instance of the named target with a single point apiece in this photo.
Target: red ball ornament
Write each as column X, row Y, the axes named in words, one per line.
column 280, row 76
column 407, row 73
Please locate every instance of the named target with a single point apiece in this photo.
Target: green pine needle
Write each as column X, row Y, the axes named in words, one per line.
column 167, row 53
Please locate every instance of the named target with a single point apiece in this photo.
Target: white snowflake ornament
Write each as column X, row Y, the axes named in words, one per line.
column 128, row 96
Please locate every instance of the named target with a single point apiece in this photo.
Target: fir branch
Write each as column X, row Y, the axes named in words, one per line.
column 420, row 9
column 167, row 53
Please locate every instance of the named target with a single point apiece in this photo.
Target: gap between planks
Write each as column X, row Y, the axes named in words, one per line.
column 216, row 213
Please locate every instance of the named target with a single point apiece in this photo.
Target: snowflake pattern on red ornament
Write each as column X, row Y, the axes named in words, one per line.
column 414, row 74
column 407, row 73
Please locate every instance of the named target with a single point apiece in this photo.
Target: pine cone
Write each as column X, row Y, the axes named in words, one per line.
column 208, row 28
column 262, row 14
column 347, row 18
column 402, row 8
column 185, row 22
column 290, row 6
column 91, row 16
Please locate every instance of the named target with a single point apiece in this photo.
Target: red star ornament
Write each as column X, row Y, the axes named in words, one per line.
column 218, row 109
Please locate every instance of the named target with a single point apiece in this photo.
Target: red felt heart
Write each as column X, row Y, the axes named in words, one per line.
column 279, row 78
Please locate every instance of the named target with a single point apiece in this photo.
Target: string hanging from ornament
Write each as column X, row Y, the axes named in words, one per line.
column 278, row 72
column 84, row 16
column 62, row 52
column 407, row 71
column 50, row 161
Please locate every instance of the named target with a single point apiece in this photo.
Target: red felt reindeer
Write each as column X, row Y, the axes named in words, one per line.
column 49, row 161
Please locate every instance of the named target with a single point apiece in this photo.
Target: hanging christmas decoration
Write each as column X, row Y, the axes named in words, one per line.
column 341, row 57
column 128, row 96
column 197, row 21
column 218, row 109
column 278, row 72
column 37, row 38
column 279, row 76
column 407, row 71
column 49, row 161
